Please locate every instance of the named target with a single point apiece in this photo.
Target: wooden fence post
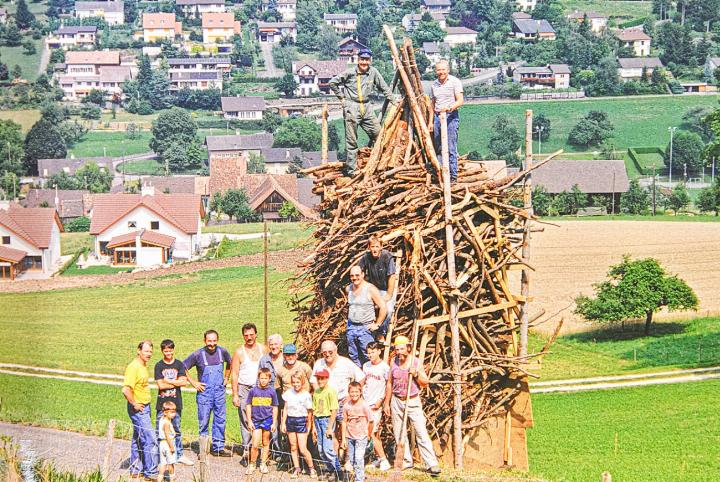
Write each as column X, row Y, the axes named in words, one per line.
column 108, row 449
column 203, row 450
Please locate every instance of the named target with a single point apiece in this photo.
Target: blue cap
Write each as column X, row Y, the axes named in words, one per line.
column 290, row 349
column 367, row 53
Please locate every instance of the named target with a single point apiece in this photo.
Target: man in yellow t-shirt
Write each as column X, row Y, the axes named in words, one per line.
column 143, row 448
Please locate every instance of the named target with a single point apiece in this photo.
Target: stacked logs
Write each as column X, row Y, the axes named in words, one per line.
column 397, row 194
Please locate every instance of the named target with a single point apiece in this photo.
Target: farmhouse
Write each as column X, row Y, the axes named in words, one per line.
column 411, row 20
column 29, row 240
column 82, row 36
column 531, row 29
column 274, row 32
column 271, row 193
column 223, row 147
column 632, row 68
column 597, row 22
column 69, row 204
column 437, row 6
column 635, row 39
column 286, row 8
column 146, row 229
column 50, row 167
column 460, row 35
column 219, row 27
column 84, row 71
column 342, row 22
column 112, row 12
column 195, row 8
column 553, row 76
column 314, row 76
column 160, row 26
column 607, row 178
column 243, row 107
column 348, row 49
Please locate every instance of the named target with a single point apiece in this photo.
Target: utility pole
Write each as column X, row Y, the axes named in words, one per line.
column 685, row 171
column 653, row 191
column 525, row 274
column 613, row 194
column 712, row 175
column 672, row 133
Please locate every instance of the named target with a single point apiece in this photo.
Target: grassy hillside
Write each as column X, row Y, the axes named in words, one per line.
column 616, row 9
column 26, row 118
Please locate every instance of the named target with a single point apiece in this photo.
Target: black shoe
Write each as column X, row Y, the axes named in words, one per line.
column 220, row 453
column 434, row 471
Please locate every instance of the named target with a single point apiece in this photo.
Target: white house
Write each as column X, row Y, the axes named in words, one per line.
column 82, row 36
column 315, row 76
column 112, row 12
column 146, row 229
column 435, row 51
column 441, row 6
column 553, row 76
column 635, row 39
column 460, row 35
column 342, row 22
column 532, row 29
column 273, row 32
column 597, row 22
column 411, row 20
column 195, row 8
column 29, row 240
column 348, row 50
column 219, row 27
column 526, row 5
column 286, row 8
column 243, row 107
column 197, row 73
column 87, row 70
column 632, row 68
column 160, row 26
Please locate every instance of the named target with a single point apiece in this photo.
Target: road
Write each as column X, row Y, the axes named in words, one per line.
column 270, row 69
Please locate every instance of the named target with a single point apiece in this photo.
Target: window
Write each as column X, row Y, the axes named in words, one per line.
column 132, row 224
column 155, row 225
column 6, row 240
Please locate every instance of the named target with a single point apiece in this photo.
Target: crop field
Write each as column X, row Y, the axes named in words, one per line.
column 26, row 118
column 569, row 258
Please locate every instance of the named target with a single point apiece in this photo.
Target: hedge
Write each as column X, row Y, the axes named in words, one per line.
column 235, row 124
column 633, row 153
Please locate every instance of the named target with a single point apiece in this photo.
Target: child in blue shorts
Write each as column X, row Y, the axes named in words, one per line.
column 297, row 418
column 262, row 413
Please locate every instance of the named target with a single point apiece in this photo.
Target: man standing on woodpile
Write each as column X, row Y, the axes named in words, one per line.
column 447, row 96
column 244, row 370
column 402, row 371
column 379, row 268
column 354, row 88
column 363, row 298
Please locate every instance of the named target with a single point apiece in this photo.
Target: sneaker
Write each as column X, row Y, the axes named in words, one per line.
column 384, row 465
column 250, row 469
column 220, row 453
column 184, row 460
column 434, row 471
column 407, row 466
column 263, row 469
column 313, row 474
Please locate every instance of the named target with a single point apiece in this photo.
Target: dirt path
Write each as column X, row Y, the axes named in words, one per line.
column 285, row 261
column 44, row 59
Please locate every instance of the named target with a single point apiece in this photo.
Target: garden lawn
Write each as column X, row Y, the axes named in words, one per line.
column 71, row 243
column 654, row 433
column 12, row 56
column 97, row 329
column 141, row 167
column 620, row 10
column 111, row 144
column 613, row 351
column 698, row 218
column 249, row 228
column 74, row 270
column 280, row 241
column 26, row 118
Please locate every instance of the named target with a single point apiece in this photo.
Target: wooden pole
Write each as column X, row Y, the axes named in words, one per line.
column 265, row 279
column 527, row 201
column 324, row 148
column 393, row 316
column 203, row 449
column 452, row 281
column 108, row 449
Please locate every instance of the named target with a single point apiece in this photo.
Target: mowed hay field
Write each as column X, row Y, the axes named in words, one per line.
column 570, row 258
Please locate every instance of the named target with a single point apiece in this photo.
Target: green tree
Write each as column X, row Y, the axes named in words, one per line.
column 709, row 198
column 327, row 43
column 308, row 18
column 130, row 12
column 172, row 127
column 541, row 127
column 284, row 56
column 271, row 121
column 606, row 80
column 694, row 120
column 78, row 225
column 541, row 201
column 94, row 178
column 289, row 212
column 11, row 148
column 63, row 180
column 636, row 289
column 13, row 37
column 300, row 132
column 675, row 42
column 591, row 130
column 9, row 184
column 428, row 30
column 296, row 167
column 216, row 203
column 636, row 200
column 688, row 148
column 287, row 85
column 505, row 140
column 90, row 111
column 29, row 47
column 256, row 164
column 43, row 141
column 368, row 27
column 235, row 203
column 679, row 199
column 179, row 157
column 95, row 96
column 23, row 17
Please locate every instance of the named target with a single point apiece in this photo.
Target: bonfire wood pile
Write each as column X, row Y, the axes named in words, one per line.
column 397, row 194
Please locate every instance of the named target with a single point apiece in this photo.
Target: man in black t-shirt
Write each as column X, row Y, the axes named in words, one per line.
column 378, row 266
column 170, row 376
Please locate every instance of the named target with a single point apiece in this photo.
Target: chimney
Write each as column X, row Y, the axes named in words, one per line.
column 148, row 190
column 287, row 153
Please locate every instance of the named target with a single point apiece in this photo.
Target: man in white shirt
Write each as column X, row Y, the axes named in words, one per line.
column 447, row 96
column 376, row 373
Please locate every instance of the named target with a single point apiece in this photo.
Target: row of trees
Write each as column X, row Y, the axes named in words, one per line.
column 89, row 176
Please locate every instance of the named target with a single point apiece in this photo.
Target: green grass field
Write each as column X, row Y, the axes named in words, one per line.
column 278, row 242
column 70, row 243
column 12, row 56
column 74, row 270
column 656, row 433
column 26, row 118
column 704, row 218
column 142, row 167
column 621, row 10
column 111, row 144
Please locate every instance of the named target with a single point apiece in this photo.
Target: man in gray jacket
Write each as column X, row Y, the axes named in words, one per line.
column 354, row 88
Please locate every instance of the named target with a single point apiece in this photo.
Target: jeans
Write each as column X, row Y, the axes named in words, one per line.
column 176, row 426
column 356, row 454
column 358, row 337
column 243, row 391
column 325, row 445
column 453, row 123
column 144, row 452
column 212, row 401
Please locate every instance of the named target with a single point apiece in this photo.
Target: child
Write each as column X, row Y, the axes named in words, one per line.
column 325, row 407
column 376, row 377
column 357, row 429
column 296, row 418
column 262, row 414
column 168, row 456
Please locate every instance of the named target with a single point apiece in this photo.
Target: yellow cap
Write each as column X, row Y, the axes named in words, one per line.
column 401, row 340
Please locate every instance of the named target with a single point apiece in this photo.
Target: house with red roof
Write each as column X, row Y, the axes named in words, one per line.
column 146, row 229
column 29, row 240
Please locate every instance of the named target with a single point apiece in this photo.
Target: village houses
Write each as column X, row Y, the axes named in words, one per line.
column 195, row 8
column 69, row 204
column 219, row 27
column 553, row 76
column 314, row 76
column 532, row 29
column 597, row 22
column 632, row 68
column 286, row 8
column 348, row 50
column 29, row 240
column 112, row 12
column 412, row 20
column 84, row 71
column 344, row 23
column 237, row 146
column 197, row 73
column 81, row 36
column 636, row 40
column 160, row 26
column 460, row 36
column 436, row 6
column 246, row 108
column 274, row 32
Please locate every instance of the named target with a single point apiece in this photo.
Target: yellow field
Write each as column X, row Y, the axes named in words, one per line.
column 26, row 118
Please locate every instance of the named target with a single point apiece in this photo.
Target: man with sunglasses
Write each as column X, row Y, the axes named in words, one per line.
column 363, row 300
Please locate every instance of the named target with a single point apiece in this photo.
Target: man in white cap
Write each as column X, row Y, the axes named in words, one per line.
column 407, row 373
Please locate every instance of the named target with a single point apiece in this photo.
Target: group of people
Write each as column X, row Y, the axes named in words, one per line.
column 355, row 87
column 283, row 403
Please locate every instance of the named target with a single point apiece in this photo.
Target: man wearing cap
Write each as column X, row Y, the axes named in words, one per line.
column 354, row 87
column 402, row 371
column 447, row 96
column 290, row 365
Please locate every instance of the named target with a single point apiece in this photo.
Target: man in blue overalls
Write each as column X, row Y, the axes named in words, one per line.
column 213, row 370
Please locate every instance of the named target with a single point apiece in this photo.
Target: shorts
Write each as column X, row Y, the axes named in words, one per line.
column 296, row 424
column 263, row 424
column 376, row 417
column 167, row 457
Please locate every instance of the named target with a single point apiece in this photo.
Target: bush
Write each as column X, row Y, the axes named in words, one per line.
column 78, row 225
